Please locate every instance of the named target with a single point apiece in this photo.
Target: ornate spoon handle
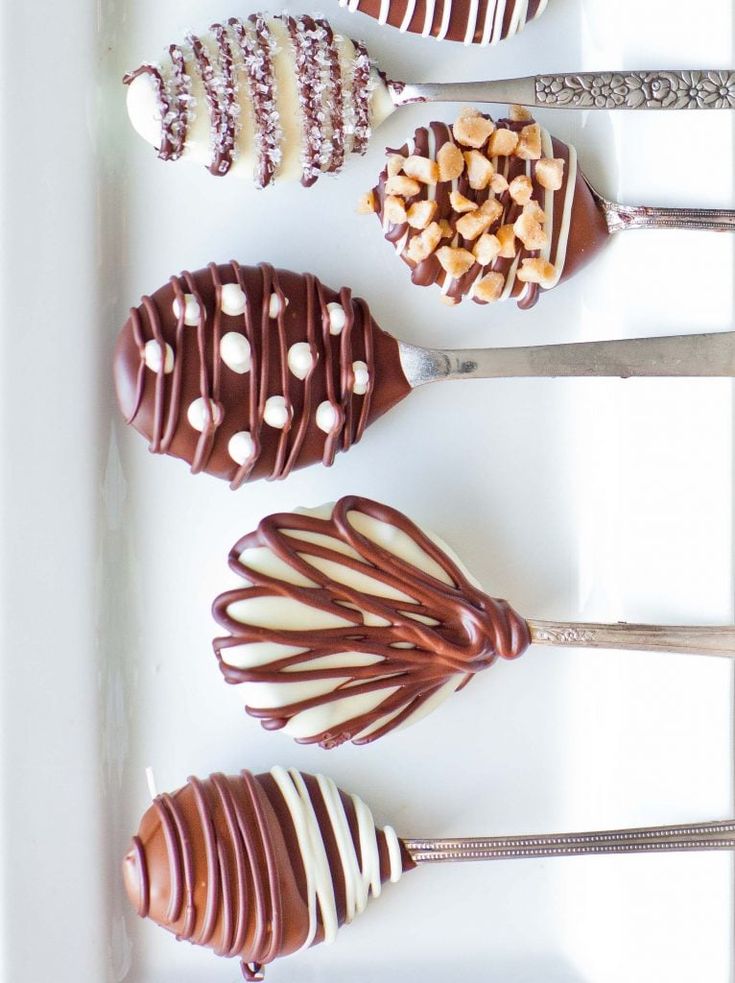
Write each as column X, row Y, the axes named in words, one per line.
column 699, row 640
column 701, row 89
column 653, row 839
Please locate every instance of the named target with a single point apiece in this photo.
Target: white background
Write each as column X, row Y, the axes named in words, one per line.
column 594, row 499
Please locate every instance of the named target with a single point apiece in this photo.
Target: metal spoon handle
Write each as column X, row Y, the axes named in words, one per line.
column 621, row 217
column 715, row 640
column 656, row 89
column 678, row 355
column 652, row 839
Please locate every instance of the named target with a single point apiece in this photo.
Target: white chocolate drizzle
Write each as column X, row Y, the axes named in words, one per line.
column 361, row 873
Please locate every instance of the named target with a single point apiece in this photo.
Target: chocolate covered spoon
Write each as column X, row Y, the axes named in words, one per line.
column 492, row 211
column 286, row 97
column 471, row 21
column 248, row 372
column 354, row 622
column 257, row 867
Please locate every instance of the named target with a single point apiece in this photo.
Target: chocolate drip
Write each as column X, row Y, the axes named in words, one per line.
column 220, row 864
column 157, row 402
column 466, row 630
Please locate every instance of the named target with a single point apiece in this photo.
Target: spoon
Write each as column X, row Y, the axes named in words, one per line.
column 257, row 867
column 353, row 622
column 247, row 372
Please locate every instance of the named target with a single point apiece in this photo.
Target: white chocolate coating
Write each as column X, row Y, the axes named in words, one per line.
column 284, row 94
column 271, row 611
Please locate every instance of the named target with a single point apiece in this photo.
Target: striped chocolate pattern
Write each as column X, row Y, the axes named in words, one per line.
column 188, row 324
column 235, row 64
column 258, row 866
column 481, row 22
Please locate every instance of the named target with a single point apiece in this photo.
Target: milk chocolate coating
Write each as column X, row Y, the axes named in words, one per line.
column 466, row 630
column 588, row 230
column 460, row 12
column 156, row 402
column 218, row 863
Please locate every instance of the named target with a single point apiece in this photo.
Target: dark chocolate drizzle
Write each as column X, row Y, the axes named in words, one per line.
column 327, row 117
column 470, row 630
column 218, row 863
column 459, row 15
column 430, row 271
column 233, row 403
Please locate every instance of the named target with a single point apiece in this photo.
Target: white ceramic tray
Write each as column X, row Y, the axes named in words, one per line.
column 588, row 499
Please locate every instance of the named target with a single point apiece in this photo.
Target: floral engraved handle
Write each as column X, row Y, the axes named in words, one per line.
column 638, row 90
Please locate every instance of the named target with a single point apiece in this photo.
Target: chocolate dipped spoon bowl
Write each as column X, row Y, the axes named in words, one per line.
column 287, row 98
column 250, row 372
column 350, row 622
column 494, row 211
column 256, row 867
column 483, row 22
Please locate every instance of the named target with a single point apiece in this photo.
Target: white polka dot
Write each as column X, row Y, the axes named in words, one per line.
column 362, row 378
column 153, row 356
column 196, row 414
column 275, row 305
column 300, row 359
column 191, row 310
column 233, row 301
column 337, row 318
column 327, row 417
column 276, row 413
column 241, row 447
column 234, row 349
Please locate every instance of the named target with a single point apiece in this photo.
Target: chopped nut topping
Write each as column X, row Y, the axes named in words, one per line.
column 502, row 143
column 530, row 232
column 460, row 204
column 423, row 244
column 455, row 262
column 519, row 114
column 475, row 223
column 400, row 185
column 449, row 301
column 421, row 214
column 537, row 271
column 521, row 189
column 487, row 249
column 472, row 131
column 479, row 170
column 366, row 204
column 535, row 211
column 394, row 210
column 529, row 143
column 421, row 169
column 395, row 164
column 446, row 229
column 507, row 239
column 450, row 161
column 490, row 288
column 499, row 183
column 550, row 173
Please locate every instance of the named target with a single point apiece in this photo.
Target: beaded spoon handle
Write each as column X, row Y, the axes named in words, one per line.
column 584, row 90
column 702, row 836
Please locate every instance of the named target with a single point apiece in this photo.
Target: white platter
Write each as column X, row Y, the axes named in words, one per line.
column 587, row 500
